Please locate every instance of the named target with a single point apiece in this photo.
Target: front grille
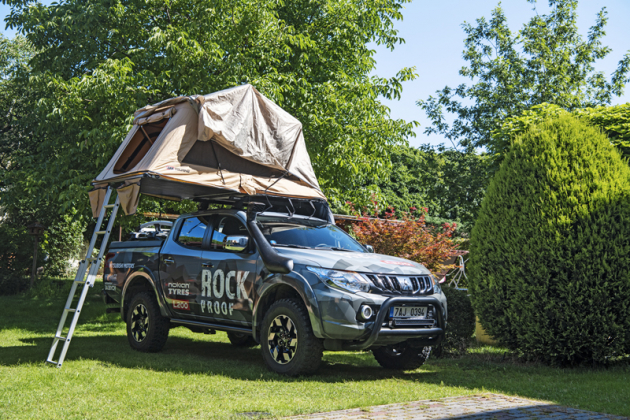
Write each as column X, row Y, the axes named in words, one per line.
column 404, row 285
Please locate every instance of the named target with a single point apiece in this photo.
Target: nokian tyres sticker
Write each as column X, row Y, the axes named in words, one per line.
column 178, row 289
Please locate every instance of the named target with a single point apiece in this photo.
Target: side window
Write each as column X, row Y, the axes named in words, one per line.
column 192, row 232
column 227, row 226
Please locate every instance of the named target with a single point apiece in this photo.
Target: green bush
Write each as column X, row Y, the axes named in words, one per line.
column 16, row 259
column 461, row 323
column 613, row 120
column 62, row 242
column 549, row 273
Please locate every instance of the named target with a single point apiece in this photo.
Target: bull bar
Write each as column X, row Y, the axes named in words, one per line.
column 426, row 336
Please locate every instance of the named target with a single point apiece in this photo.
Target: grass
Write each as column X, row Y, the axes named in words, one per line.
column 203, row 376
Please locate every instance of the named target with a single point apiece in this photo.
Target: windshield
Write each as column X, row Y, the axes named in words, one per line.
column 306, row 233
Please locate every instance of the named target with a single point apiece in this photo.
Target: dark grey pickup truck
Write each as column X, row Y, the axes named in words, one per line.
column 296, row 284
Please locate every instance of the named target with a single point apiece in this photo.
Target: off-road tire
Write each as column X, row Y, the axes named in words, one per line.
column 241, row 339
column 401, row 356
column 308, row 349
column 147, row 329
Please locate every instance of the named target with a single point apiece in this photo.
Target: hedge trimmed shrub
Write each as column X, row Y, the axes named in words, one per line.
column 549, row 273
column 461, row 323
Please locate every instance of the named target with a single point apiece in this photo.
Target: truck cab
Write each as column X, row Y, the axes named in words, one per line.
column 294, row 283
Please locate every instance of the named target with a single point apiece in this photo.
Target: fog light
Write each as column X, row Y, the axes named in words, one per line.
column 365, row 312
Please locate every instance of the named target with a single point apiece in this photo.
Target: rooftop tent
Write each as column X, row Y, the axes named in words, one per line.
column 232, row 143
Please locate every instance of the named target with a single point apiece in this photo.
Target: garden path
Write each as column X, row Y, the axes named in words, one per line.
column 476, row 407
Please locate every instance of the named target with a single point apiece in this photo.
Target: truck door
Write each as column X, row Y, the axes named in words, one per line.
column 229, row 275
column 180, row 265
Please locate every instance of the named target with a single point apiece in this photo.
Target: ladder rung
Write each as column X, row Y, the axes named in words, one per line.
column 89, row 266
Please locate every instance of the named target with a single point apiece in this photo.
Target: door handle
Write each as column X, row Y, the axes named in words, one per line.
column 207, row 265
column 169, row 261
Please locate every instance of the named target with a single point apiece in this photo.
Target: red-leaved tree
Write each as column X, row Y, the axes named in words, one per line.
column 408, row 237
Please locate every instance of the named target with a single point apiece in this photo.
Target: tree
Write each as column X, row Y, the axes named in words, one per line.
column 14, row 99
column 448, row 182
column 98, row 61
column 548, row 272
column 613, row 120
column 546, row 61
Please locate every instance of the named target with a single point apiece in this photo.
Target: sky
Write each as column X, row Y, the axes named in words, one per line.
column 435, row 41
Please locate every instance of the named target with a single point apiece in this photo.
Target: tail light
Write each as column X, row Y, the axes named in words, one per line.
column 108, row 258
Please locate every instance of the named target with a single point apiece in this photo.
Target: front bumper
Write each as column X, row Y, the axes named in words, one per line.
column 381, row 333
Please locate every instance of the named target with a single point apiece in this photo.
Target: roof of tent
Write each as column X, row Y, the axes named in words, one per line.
column 234, row 142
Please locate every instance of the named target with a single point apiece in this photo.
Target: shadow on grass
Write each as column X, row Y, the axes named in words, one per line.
column 594, row 389
column 188, row 356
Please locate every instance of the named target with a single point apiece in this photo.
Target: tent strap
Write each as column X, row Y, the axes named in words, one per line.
column 276, row 181
column 218, row 162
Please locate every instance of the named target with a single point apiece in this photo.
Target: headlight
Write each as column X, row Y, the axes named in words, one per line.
column 346, row 280
column 436, row 284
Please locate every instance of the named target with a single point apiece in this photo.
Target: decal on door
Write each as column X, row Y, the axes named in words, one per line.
column 219, row 285
column 181, row 305
column 178, row 289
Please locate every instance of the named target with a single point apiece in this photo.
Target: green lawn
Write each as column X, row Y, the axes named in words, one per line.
column 203, row 376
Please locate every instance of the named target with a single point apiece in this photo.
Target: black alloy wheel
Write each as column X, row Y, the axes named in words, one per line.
column 282, row 339
column 139, row 322
column 147, row 329
column 288, row 344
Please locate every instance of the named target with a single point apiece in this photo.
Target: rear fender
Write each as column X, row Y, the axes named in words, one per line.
column 142, row 279
column 279, row 286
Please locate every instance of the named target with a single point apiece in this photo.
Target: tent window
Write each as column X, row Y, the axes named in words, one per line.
column 139, row 146
column 202, row 153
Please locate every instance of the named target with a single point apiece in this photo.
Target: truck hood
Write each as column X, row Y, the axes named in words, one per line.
column 353, row 261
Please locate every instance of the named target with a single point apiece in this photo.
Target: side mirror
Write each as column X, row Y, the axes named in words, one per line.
column 369, row 248
column 236, row 243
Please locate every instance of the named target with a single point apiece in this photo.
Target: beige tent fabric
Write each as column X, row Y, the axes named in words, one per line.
column 277, row 145
column 253, row 127
column 97, row 196
column 129, row 196
column 150, row 109
column 158, row 116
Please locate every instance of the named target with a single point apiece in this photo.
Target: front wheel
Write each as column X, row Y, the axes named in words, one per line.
column 147, row 329
column 401, row 356
column 287, row 341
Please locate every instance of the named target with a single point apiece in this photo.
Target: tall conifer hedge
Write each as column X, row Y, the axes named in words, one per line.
column 550, row 251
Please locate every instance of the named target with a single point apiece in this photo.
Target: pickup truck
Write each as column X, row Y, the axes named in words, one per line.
column 295, row 284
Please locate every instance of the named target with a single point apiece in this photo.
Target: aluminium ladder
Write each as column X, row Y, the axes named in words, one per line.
column 89, row 265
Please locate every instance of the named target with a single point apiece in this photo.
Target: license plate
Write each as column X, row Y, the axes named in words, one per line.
column 408, row 312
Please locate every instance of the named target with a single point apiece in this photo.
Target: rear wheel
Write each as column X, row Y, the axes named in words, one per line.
column 287, row 341
column 147, row 329
column 241, row 339
column 401, row 356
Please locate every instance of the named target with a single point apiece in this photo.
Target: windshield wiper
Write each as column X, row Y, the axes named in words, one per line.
column 291, row 246
column 334, row 248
